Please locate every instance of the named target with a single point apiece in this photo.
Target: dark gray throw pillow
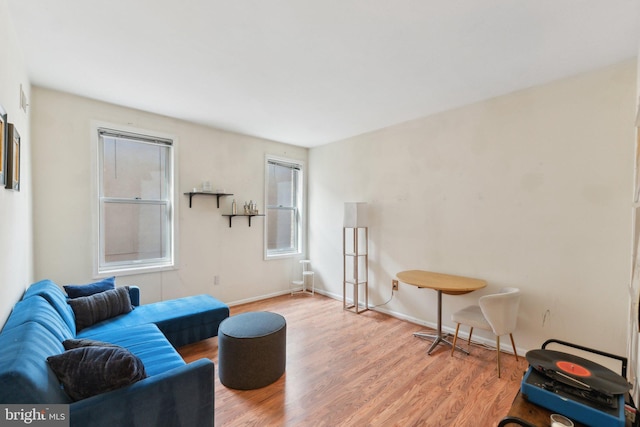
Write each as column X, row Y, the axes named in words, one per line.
column 87, row 371
column 97, row 307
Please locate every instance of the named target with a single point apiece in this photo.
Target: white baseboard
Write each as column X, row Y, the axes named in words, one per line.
column 258, row 298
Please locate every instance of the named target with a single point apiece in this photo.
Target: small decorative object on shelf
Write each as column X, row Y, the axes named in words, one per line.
column 234, row 208
column 251, row 208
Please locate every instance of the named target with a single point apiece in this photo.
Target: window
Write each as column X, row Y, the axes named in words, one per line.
column 284, row 207
column 135, row 198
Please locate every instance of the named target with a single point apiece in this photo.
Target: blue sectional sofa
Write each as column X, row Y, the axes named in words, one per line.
column 172, row 394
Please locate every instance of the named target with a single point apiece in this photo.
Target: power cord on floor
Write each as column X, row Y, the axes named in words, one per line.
column 384, row 303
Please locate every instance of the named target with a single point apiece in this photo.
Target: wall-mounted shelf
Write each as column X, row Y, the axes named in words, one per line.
column 206, row 193
column 247, row 215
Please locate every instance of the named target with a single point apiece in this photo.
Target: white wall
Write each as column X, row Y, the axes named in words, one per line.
column 16, row 250
column 207, row 246
column 634, row 288
column 529, row 190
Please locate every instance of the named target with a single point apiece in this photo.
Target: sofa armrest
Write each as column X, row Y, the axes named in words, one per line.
column 134, row 294
column 183, row 396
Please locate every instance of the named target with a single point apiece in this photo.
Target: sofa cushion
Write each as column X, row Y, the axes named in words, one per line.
column 183, row 320
column 25, row 376
column 146, row 342
column 101, row 306
column 37, row 309
column 75, row 291
column 54, row 295
column 91, row 370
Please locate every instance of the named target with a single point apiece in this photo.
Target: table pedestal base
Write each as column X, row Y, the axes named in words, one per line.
column 437, row 339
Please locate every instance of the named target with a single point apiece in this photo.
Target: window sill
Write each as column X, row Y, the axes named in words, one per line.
column 130, row 270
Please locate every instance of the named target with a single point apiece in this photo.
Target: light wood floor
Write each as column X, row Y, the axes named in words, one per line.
column 345, row 369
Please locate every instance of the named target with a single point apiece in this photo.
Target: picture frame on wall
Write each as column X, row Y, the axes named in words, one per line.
column 636, row 196
column 13, row 158
column 3, row 145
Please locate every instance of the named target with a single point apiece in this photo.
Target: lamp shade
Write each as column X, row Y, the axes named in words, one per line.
column 355, row 215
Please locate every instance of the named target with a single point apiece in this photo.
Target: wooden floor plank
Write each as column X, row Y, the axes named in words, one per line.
column 345, row 369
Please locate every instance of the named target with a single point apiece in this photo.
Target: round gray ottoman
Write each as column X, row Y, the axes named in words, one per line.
column 252, row 349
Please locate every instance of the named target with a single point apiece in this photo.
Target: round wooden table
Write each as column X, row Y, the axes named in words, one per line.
column 443, row 284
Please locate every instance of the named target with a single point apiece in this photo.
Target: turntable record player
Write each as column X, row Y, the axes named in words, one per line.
column 578, row 388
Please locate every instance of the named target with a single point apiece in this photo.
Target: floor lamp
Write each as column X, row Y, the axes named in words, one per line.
column 355, row 238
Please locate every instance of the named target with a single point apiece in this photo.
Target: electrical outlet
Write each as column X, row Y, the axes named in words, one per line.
column 216, row 280
column 394, row 285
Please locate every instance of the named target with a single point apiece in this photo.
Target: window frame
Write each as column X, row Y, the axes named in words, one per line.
column 300, row 211
column 102, row 268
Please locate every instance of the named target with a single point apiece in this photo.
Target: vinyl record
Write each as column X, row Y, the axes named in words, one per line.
column 576, row 371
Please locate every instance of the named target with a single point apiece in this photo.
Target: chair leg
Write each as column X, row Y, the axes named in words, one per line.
column 455, row 338
column 498, row 350
column 470, row 333
column 513, row 344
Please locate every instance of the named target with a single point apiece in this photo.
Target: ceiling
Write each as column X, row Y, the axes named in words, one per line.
column 312, row 72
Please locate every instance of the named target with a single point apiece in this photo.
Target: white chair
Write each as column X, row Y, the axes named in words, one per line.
column 497, row 313
column 302, row 283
